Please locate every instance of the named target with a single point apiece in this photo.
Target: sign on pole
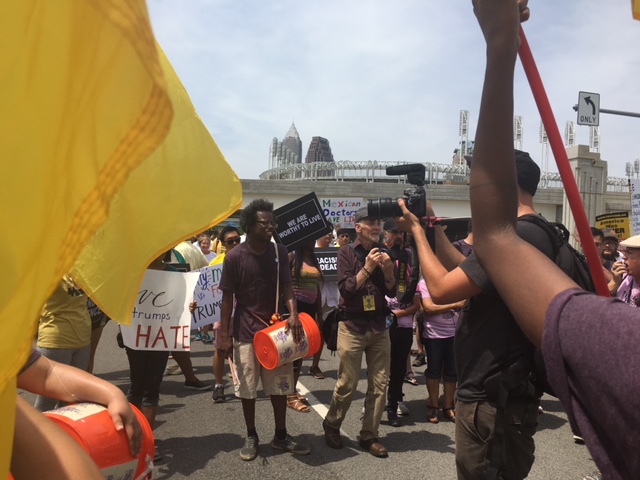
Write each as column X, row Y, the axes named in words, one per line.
column 341, row 212
column 300, row 221
column 635, row 205
column 160, row 318
column 589, row 109
column 616, row 221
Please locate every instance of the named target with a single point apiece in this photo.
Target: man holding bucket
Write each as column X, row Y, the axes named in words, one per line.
column 365, row 276
column 254, row 273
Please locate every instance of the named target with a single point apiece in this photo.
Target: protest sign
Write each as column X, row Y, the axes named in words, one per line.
column 300, row 221
column 635, row 205
column 208, row 297
column 616, row 221
column 341, row 212
column 161, row 318
column 328, row 261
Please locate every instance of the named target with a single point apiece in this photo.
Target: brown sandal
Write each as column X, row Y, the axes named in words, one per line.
column 296, row 404
column 432, row 414
column 449, row 414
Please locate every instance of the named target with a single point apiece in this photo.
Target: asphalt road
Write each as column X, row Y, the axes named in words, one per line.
column 201, row 440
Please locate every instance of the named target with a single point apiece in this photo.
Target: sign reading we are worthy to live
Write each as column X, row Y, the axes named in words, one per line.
column 300, row 221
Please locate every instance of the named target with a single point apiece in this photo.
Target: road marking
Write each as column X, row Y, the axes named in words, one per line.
column 317, row 406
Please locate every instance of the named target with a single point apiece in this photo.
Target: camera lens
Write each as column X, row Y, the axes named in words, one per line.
column 383, row 208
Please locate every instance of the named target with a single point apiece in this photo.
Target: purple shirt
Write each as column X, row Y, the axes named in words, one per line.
column 629, row 291
column 441, row 325
column 591, row 350
column 252, row 279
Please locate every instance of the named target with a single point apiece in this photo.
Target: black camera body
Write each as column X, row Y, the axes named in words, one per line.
column 415, row 198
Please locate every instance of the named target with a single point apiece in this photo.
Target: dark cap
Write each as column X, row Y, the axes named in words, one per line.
column 528, row 172
column 609, row 233
column 390, row 224
column 361, row 214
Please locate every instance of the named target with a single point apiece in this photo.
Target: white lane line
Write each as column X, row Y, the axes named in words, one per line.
column 317, row 406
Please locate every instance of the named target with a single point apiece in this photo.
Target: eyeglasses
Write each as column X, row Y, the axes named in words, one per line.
column 396, row 232
column 267, row 223
column 231, row 241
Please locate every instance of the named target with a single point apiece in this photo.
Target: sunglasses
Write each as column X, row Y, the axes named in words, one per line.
column 267, row 223
column 233, row 240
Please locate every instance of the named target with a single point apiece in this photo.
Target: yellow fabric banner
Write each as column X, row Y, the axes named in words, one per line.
column 635, row 6
column 185, row 187
column 83, row 103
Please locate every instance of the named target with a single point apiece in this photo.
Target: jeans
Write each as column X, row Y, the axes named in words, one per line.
column 78, row 357
column 146, row 368
column 401, row 340
column 351, row 346
column 441, row 361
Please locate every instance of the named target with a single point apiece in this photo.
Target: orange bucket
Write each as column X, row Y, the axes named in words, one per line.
column 274, row 347
column 91, row 427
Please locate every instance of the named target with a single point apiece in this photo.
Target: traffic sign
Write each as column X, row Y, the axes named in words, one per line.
column 589, row 109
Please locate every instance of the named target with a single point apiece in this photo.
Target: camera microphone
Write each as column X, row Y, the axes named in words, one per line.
column 406, row 169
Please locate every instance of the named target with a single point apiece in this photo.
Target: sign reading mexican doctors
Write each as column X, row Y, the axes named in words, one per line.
column 300, row 221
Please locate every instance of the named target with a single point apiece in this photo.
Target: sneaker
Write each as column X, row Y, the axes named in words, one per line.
column 392, row 416
column 597, row 475
column 288, row 444
column 250, row 449
column 173, row 369
column 578, row 439
column 218, row 394
column 206, row 338
column 198, row 337
column 403, row 409
column 197, row 385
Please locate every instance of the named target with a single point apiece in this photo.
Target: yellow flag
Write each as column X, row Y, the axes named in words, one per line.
column 83, row 103
column 184, row 187
column 635, row 6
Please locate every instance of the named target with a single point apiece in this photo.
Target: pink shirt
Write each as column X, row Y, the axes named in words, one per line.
column 442, row 325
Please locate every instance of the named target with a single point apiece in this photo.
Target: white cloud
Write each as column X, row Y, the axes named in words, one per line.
column 386, row 80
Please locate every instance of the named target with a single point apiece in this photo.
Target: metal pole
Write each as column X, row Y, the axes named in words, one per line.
column 614, row 112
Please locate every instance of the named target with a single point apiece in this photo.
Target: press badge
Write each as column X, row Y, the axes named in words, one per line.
column 369, row 303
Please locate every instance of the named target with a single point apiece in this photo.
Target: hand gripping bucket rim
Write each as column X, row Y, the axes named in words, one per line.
column 90, row 425
column 273, row 347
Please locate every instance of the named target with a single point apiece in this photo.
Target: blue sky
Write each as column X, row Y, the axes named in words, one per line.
column 386, row 80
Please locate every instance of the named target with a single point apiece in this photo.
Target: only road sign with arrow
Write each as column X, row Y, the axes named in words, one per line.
column 589, row 109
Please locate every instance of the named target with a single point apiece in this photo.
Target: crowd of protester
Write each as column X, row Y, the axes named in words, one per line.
column 475, row 331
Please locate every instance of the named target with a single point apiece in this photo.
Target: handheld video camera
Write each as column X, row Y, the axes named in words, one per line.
column 414, row 198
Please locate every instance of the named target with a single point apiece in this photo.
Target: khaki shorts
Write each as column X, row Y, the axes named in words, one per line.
column 278, row 381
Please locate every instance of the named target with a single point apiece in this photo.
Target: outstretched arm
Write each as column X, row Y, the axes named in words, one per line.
column 493, row 190
column 444, row 286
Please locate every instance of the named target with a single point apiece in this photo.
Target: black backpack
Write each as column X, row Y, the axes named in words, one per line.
column 575, row 266
column 570, row 261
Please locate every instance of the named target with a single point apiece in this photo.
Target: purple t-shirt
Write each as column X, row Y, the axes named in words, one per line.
column 591, row 351
column 252, row 279
column 441, row 325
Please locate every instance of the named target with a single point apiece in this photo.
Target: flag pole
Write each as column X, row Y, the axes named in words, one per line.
column 562, row 161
